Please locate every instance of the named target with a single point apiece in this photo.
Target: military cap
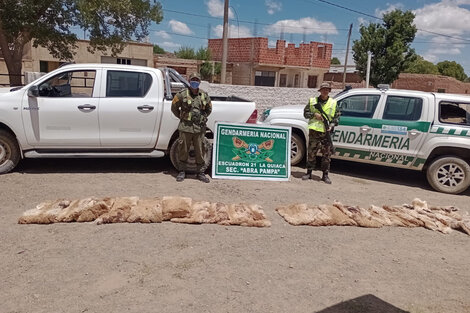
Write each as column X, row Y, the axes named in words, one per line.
column 195, row 75
column 325, row 85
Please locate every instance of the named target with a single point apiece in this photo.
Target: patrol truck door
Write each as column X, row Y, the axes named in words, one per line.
column 353, row 134
column 130, row 107
column 400, row 131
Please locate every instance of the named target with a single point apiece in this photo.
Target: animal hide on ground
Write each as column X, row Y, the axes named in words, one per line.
column 416, row 214
column 136, row 210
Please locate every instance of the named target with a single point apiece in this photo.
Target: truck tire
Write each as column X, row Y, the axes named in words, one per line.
column 191, row 168
column 9, row 152
column 449, row 174
column 297, row 149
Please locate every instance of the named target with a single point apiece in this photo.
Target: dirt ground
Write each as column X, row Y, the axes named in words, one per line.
column 171, row 267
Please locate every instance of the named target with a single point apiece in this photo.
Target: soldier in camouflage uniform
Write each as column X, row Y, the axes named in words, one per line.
column 192, row 106
column 323, row 116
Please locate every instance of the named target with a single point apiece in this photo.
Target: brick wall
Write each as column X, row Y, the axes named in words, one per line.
column 313, row 54
column 431, row 83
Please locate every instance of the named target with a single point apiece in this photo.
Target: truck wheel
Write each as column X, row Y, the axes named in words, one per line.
column 9, row 152
column 191, row 168
column 449, row 175
column 297, row 149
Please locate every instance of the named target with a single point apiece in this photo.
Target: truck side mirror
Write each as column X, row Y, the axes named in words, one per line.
column 33, row 91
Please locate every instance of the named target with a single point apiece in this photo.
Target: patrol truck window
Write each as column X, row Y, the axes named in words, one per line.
column 454, row 113
column 403, row 108
column 77, row 84
column 127, row 84
column 359, row 106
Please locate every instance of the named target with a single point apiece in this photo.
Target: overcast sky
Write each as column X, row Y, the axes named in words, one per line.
column 444, row 26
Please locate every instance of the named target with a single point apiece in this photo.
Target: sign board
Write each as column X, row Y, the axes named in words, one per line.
column 250, row 151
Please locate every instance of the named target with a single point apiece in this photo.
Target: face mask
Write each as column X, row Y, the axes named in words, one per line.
column 194, row 84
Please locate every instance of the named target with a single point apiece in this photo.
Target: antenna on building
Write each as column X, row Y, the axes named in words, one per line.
column 291, row 37
column 282, row 32
column 255, row 28
column 304, row 38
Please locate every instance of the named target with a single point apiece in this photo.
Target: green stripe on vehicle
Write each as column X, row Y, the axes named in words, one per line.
column 379, row 157
column 451, row 132
column 419, row 162
column 376, row 123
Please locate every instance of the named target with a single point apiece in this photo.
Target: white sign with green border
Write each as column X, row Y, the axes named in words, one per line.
column 250, row 151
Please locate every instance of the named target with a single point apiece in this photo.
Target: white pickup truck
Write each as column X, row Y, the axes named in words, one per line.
column 399, row 128
column 100, row 110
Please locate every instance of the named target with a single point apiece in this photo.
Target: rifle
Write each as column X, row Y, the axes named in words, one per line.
column 326, row 123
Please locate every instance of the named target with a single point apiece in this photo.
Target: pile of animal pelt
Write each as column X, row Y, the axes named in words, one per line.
column 416, row 214
column 136, row 210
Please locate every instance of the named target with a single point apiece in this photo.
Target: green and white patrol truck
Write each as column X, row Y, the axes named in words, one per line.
column 399, row 128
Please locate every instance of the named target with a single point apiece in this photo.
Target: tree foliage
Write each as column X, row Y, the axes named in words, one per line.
column 335, row 61
column 158, row 50
column 421, row 66
column 49, row 23
column 453, row 69
column 185, row 53
column 389, row 43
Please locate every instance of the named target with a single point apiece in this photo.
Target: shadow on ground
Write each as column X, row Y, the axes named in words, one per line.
column 363, row 304
column 398, row 176
column 109, row 165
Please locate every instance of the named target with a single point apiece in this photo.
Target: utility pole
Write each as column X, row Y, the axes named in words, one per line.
column 223, row 72
column 346, row 57
column 369, row 56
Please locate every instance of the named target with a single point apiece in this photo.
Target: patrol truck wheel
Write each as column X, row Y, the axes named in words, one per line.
column 297, row 149
column 9, row 152
column 191, row 168
column 449, row 175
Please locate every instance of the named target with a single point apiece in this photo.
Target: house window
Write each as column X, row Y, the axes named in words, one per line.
column 283, row 80
column 123, row 61
column 296, row 80
column 265, row 78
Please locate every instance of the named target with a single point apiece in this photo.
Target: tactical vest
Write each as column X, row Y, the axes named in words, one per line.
column 329, row 108
column 188, row 99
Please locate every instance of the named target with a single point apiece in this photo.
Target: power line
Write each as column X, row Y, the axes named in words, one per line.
column 250, row 22
column 378, row 18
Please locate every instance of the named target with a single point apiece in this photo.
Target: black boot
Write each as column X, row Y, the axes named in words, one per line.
column 308, row 175
column 181, row 176
column 202, row 177
column 325, row 178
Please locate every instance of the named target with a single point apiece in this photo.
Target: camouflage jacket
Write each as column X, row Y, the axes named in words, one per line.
column 192, row 110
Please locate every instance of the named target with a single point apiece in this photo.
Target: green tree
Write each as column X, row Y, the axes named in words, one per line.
column 335, row 61
column 158, row 50
column 389, row 44
column 206, row 70
column 452, row 69
column 203, row 54
column 421, row 66
column 185, row 53
column 49, row 23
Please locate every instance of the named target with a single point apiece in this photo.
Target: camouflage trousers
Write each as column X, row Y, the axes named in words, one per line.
column 317, row 141
column 185, row 141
